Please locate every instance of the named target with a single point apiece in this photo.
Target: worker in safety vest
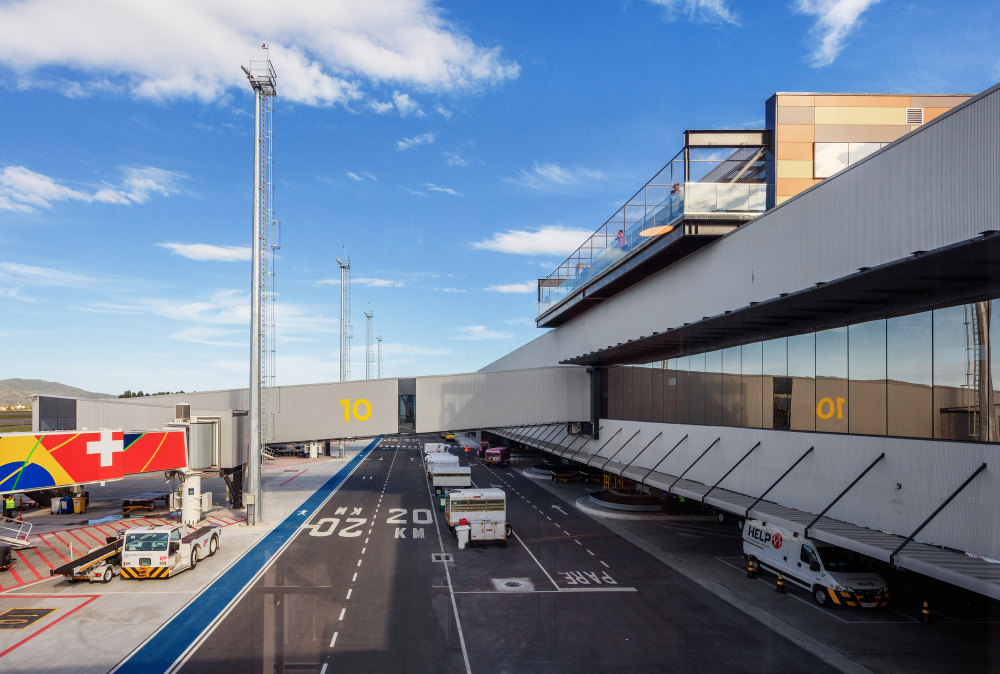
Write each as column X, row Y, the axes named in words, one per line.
column 8, row 506
column 466, row 450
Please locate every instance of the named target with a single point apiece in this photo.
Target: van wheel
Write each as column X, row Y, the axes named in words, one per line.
column 821, row 596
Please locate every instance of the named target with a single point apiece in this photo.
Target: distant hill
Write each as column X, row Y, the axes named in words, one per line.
column 19, row 391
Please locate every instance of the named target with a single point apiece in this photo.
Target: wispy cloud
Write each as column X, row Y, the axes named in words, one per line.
column 835, row 20
column 381, row 107
column 706, row 11
column 22, row 189
column 479, row 333
column 443, row 111
column 328, row 52
column 406, row 105
column 514, row 288
column 549, row 240
column 206, row 252
column 361, row 176
column 450, row 290
column 41, row 276
column 549, row 177
column 455, row 159
column 209, row 336
column 416, row 141
column 523, row 320
column 377, row 282
column 437, row 188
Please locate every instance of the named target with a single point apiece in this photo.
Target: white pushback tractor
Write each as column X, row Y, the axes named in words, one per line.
column 165, row 551
column 835, row 576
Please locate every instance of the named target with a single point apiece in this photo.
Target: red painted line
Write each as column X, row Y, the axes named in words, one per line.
column 293, row 477
column 96, row 538
column 2, row 587
column 54, row 548
column 85, row 544
column 58, row 538
column 17, row 578
column 44, row 558
column 114, row 532
column 28, row 564
column 92, row 597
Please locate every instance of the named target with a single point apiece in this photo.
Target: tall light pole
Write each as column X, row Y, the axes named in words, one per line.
column 262, row 79
column 378, row 370
column 368, row 342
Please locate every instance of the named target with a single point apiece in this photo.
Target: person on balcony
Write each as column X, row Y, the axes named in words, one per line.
column 622, row 243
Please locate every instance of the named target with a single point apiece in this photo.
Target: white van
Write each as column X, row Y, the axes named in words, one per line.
column 835, row 576
column 439, row 459
column 450, row 475
column 433, row 447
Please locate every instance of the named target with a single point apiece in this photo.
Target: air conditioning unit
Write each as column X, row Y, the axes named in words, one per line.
column 574, row 428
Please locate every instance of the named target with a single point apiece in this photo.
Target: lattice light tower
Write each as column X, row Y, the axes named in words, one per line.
column 265, row 239
column 345, row 317
column 378, row 370
column 368, row 342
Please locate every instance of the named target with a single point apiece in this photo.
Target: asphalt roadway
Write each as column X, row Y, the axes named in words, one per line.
column 375, row 582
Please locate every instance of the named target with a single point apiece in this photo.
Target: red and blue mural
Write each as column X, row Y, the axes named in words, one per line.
column 42, row 460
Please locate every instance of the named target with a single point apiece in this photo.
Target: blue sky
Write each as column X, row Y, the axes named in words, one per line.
column 459, row 150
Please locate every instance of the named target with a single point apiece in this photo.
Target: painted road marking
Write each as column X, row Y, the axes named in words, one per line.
column 343, row 611
column 590, row 553
column 349, row 590
column 333, row 642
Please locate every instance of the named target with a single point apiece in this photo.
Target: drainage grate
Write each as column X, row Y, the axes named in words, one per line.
column 442, row 557
column 513, row 585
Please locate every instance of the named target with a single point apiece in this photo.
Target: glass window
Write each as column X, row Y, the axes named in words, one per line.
column 802, row 371
column 909, row 359
column 858, row 151
column 995, row 369
column 683, row 391
column 753, row 392
column 696, row 382
column 831, row 380
column 828, row 158
column 670, row 391
column 713, row 388
column 866, row 389
column 732, row 391
column 775, row 367
column 955, row 395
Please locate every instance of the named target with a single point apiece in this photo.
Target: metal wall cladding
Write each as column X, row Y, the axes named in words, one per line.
column 351, row 409
column 899, row 493
column 202, row 445
column 520, row 397
column 934, row 187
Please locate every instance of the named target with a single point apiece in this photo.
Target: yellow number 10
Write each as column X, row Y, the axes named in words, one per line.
column 360, row 416
column 825, row 409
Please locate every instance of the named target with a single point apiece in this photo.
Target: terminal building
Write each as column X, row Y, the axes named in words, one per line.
column 791, row 324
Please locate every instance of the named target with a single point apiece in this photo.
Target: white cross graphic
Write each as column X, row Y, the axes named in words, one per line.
column 106, row 447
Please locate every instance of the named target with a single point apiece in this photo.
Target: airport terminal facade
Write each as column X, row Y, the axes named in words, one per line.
column 792, row 323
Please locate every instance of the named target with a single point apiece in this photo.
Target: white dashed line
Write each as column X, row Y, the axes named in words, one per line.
column 577, row 542
column 350, row 589
column 332, row 642
column 355, row 579
column 359, row 562
column 605, row 564
column 567, row 533
column 366, row 541
column 363, row 550
column 591, row 553
column 547, row 517
column 342, row 612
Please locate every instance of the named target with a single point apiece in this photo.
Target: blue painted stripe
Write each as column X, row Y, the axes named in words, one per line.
column 166, row 646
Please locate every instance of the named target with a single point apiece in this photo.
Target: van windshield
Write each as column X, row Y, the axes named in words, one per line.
column 844, row 561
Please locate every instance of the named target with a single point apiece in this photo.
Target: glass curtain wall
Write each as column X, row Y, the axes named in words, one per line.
column 927, row 375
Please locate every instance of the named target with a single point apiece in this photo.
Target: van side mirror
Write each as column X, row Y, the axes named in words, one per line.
column 814, row 566
column 175, row 546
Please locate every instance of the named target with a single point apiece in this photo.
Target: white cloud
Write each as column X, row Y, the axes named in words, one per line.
column 835, row 19
column 206, row 252
column 450, row 290
column 377, row 282
column 437, row 188
column 514, row 288
column 209, row 336
column 549, row 177
column 324, row 52
column 407, row 143
column 455, row 159
column 354, row 176
column 22, row 189
column 478, row 333
column 549, row 240
column 406, row 105
column 41, row 276
column 380, row 107
column 708, row 11
column 443, row 111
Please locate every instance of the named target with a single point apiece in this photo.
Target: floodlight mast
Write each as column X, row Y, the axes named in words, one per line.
column 262, row 79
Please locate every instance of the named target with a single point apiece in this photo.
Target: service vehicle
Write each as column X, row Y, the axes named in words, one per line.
column 100, row 564
column 835, row 576
column 166, row 550
column 145, row 501
column 450, row 475
column 436, row 447
column 440, row 459
column 483, row 446
column 498, row 456
column 477, row 515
